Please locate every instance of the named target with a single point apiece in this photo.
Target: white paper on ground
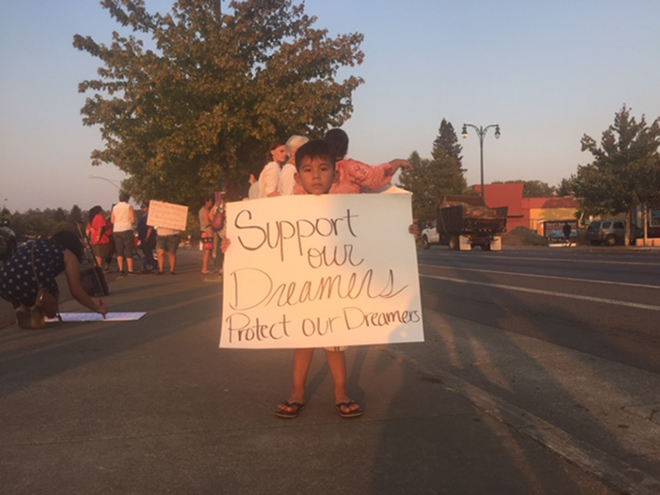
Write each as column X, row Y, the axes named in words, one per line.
column 129, row 316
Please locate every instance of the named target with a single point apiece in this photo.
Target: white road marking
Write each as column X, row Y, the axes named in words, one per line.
column 581, row 260
column 571, row 279
column 547, row 293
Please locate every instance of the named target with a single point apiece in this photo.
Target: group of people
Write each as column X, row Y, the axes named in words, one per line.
column 297, row 166
column 301, row 166
column 35, row 266
column 116, row 236
column 351, row 177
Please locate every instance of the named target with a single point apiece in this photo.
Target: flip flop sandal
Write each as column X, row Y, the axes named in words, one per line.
column 351, row 414
column 296, row 406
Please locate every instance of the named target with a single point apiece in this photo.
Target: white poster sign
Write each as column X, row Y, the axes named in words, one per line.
column 167, row 215
column 320, row 271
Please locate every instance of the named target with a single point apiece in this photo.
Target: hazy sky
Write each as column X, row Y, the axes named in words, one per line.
column 546, row 71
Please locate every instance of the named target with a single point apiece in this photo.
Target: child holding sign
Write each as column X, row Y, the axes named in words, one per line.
column 315, row 164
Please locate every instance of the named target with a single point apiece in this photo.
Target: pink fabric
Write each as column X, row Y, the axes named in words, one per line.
column 353, row 177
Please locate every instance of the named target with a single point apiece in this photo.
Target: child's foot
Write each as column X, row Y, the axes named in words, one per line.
column 349, row 409
column 289, row 410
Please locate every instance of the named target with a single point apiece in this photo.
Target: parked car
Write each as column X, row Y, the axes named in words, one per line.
column 611, row 232
column 7, row 241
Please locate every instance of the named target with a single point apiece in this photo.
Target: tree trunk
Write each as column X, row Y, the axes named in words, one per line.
column 626, row 239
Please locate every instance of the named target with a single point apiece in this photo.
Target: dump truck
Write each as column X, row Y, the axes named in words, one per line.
column 465, row 222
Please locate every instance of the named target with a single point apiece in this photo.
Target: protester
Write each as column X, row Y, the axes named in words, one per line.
column 99, row 232
column 207, row 232
column 167, row 240
column 567, row 233
column 147, row 238
column 287, row 180
column 253, row 191
column 315, row 163
column 123, row 219
column 44, row 259
column 351, row 176
column 270, row 175
column 219, row 214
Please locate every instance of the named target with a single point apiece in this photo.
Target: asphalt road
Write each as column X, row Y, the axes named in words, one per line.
column 552, row 349
column 568, row 336
column 154, row 406
column 605, row 304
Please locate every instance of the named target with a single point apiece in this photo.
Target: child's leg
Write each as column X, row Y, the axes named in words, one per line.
column 337, row 365
column 302, row 359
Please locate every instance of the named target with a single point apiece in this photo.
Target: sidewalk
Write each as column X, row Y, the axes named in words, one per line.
column 154, row 406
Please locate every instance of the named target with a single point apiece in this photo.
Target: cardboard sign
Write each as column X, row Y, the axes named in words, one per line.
column 320, row 271
column 167, row 215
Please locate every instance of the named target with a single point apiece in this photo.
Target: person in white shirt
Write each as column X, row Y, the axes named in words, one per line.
column 288, row 172
column 269, row 178
column 123, row 219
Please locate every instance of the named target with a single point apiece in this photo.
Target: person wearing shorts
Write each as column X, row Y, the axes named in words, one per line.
column 99, row 232
column 207, row 232
column 147, row 238
column 167, row 241
column 123, row 219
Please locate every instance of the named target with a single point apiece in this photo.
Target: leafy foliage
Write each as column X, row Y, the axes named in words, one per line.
column 566, row 187
column 205, row 102
column 626, row 168
column 430, row 180
column 36, row 223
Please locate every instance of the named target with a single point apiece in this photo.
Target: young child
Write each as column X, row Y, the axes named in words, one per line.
column 315, row 164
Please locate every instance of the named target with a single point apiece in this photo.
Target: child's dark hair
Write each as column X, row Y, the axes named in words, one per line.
column 338, row 142
column 70, row 241
column 124, row 196
column 314, row 149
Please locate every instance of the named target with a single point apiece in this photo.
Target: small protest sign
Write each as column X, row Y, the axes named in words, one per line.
column 167, row 215
column 320, row 271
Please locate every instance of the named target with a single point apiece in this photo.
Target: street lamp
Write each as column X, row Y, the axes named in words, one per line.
column 481, row 132
column 107, row 180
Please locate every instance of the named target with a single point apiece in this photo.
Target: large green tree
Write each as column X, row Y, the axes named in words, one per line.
column 430, row 180
column 625, row 172
column 194, row 96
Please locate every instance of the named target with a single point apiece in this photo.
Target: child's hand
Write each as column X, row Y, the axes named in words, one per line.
column 224, row 244
column 398, row 163
column 414, row 229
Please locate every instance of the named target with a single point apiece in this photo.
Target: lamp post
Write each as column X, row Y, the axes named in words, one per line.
column 481, row 132
column 107, row 180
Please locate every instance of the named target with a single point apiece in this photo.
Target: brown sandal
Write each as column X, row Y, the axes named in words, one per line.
column 296, row 406
column 352, row 413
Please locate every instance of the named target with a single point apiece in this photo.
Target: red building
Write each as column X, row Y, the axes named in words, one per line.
column 528, row 212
